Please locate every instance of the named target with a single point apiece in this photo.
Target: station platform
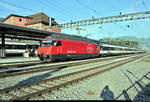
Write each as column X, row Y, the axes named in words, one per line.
column 7, row 60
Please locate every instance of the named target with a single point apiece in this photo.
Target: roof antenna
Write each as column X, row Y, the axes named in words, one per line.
column 42, row 16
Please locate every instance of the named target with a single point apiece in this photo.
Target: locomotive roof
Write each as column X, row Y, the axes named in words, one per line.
column 70, row 37
column 84, row 39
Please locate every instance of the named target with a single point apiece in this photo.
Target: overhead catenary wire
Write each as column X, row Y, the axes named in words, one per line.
column 144, row 4
column 18, row 6
column 43, row 3
column 88, row 7
column 67, row 11
column 10, row 10
column 52, row 5
column 114, row 7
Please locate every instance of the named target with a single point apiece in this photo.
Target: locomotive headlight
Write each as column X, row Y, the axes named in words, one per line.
column 47, row 52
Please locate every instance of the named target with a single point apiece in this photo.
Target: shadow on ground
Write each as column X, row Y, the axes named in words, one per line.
column 39, row 77
column 143, row 95
column 107, row 94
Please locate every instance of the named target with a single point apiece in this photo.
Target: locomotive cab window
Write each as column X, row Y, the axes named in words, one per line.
column 58, row 43
column 50, row 42
column 47, row 43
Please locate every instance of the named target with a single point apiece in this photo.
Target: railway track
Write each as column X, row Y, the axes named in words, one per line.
column 23, row 64
column 52, row 67
column 20, row 64
column 38, row 89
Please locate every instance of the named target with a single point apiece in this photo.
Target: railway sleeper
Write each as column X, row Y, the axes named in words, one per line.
column 11, row 95
column 35, row 89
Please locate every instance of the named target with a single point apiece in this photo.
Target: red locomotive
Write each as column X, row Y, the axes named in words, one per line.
column 64, row 47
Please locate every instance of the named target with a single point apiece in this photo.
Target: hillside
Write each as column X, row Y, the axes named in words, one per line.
column 142, row 42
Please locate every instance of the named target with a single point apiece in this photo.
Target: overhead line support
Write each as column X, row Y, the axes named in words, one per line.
column 111, row 19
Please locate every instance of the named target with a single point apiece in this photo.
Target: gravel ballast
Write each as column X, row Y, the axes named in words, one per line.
column 107, row 86
column 113, row 81
column 33, row 77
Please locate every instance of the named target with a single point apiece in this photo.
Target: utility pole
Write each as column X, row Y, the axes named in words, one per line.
column 130, row 44
column 138, row 23
column 78, row 30
column 42, row 17
column 110, row 38
column 137, row 5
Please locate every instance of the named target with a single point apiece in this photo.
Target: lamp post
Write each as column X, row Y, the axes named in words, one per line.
column 110, row 37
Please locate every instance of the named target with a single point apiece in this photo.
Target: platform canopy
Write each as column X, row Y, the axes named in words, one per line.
column 13, row 31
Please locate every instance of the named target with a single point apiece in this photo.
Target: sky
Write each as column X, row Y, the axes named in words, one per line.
column 65, row 11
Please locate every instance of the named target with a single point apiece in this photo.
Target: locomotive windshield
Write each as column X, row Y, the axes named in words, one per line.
column 47, row 43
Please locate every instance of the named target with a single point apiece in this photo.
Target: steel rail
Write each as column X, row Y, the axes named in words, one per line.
column 52, row 67
column 20, row 64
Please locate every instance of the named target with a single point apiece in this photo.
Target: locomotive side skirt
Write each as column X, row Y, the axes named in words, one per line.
column 68, row 56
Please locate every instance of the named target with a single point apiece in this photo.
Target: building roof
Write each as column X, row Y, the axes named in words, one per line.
column 38, row 14
column 35, row 18
column 41, row 18
column 16, row 16
column 24, row 31
column 38, row 18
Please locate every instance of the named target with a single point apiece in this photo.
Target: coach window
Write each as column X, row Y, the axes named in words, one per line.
column 108, row 48
column 20, row 46
column 96, row 46
column 101, row 47
column 104, row 48
column 7, row 46
column 112, row 48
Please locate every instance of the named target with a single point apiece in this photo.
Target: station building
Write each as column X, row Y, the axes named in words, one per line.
column 39, row 21
column 36, row 21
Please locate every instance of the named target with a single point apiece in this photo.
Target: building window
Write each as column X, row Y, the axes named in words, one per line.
column 30, row 26
column 37, row 26
column 20, row 20
column 37, row 19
